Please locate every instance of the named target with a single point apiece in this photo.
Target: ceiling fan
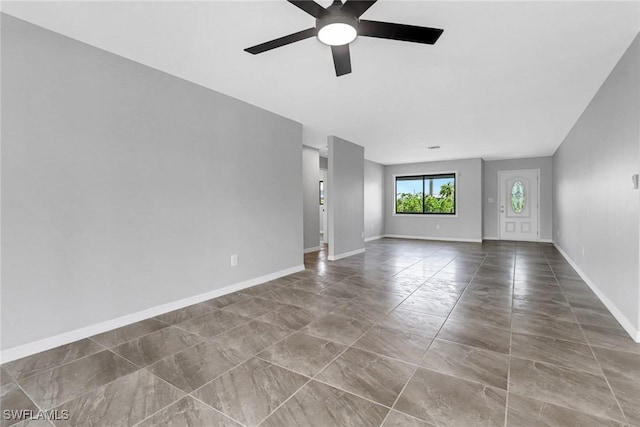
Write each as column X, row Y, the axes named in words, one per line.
column 340, row 24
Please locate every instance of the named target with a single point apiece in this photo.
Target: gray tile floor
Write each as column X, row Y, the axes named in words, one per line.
column 411, row 333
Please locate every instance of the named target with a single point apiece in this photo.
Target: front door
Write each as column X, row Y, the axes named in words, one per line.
column 519, row 204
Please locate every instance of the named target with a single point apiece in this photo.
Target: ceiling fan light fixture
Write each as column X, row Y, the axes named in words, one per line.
column 337, row 30
column 337, row 34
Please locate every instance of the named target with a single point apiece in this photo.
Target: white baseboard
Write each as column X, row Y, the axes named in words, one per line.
column 621, row 318
column 314, row 249
column 368, row 239
column 88, row 331
column 442, row 239
column 539, row 240
column 346, row 254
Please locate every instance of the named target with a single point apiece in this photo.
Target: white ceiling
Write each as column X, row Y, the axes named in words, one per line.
column 506, row 79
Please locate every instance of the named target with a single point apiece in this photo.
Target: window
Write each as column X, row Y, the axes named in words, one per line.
column 426, row 194
column 321, row 192
column 518, row 198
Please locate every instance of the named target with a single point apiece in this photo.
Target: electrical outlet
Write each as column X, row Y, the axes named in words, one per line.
column 437, row 226
column 490, row 200
column 234, row 260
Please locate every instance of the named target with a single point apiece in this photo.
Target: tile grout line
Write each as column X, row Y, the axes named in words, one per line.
column 614, row 349
column 506, row 401
column 377, row 354
column 166, row 357
column 554, row 364
column 590, row 347
column 217, row 410
column 562, row 367
column 184, row 396
column 68, row 363
column 250, row 319
column 243, row 362
column 375, row 322
column 60, row 365
column 206, row 314
column 32, row 401
column 166, row 325
column 166, row 406
column 368, row 399
column 434, row 338
column 250, row 357
column 284, row 402
column 347, row 347
column 311, row 378
column 218, row 376
column 211, row 339
column 88, row 391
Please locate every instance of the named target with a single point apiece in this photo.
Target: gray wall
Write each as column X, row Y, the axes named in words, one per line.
column 491, row 188
column 310, row 185
column 594, row 204
column 345, row 203
column 467, row 225
column 124, row 188
column 373, row 199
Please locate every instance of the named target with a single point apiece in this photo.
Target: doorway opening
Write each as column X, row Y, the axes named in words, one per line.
column 322, row 206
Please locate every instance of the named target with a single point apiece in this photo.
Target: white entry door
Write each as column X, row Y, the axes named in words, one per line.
column 518, row 208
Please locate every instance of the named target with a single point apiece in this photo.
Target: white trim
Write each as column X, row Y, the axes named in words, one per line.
column 456, row 174
column 346, row 254
column 443, row 239
column 539, row 240
column 621, row 318
column 314, row 249
column 88, row 331
column 421, row 215
column 368, row 239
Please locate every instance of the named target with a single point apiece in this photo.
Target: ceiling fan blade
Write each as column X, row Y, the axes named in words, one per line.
column 309, row 6
column 409, row 33
column 341, row 59
column 357, row 7
column 282, row 41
